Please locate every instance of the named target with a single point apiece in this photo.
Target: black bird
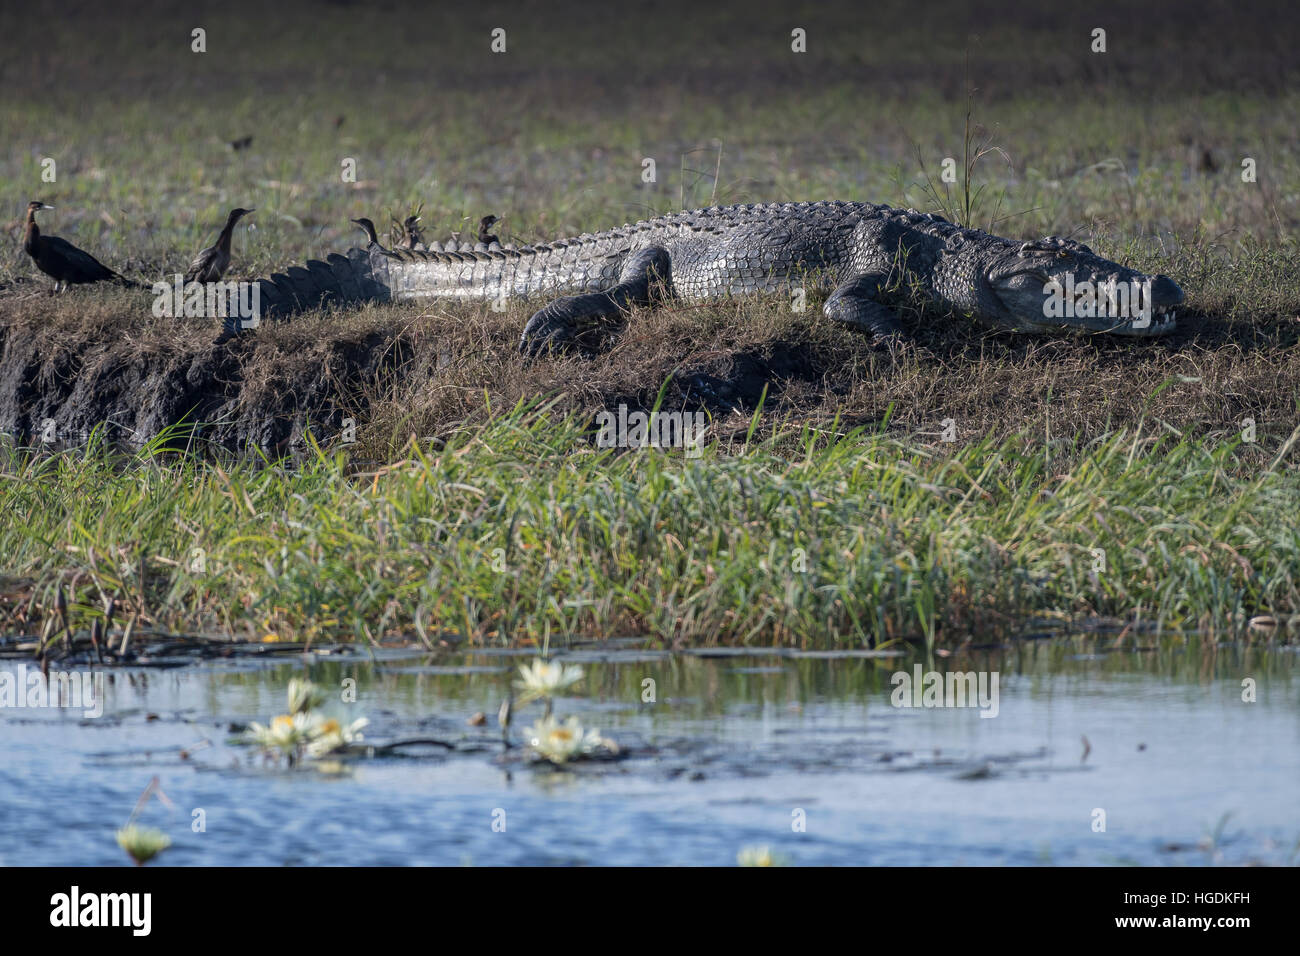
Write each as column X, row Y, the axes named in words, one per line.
column 211, row 264
column 242, row 143
column 413, row 238
column 369, row 228
column 61, row 260
column 484, row 225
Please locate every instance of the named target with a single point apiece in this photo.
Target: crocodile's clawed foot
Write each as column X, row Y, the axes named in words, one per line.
column 566, row 324
column 548, row 331
column 644, row 279
column 552, row 343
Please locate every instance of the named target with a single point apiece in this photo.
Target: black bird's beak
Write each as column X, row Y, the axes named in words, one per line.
column 46, row 205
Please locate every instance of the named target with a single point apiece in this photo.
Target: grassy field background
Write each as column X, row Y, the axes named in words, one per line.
column 1138, row 150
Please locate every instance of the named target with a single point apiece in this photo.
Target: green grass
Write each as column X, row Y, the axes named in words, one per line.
column 520, row 528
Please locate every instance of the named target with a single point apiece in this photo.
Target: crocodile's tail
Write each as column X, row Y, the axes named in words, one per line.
column 339, row 280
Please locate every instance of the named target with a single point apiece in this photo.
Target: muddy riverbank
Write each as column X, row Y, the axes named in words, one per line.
column 97, row 359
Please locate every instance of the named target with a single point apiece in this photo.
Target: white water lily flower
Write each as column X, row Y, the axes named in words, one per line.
column 304, row 696
column 545, row 679
column 286, row 733
column 142, row 843
column 560, row 742
column 330, row 736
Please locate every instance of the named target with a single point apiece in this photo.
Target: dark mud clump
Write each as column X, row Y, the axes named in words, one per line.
column 58, row 384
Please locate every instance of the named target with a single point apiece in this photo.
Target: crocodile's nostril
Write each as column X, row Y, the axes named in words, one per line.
column 1165, row 292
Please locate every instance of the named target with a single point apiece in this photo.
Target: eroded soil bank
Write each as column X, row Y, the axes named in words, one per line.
column 59, row 381
column 96, row 358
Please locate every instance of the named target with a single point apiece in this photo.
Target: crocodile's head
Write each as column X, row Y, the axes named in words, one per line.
column 1054, row 284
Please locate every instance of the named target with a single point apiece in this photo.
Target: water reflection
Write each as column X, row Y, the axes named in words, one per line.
column 722, row 750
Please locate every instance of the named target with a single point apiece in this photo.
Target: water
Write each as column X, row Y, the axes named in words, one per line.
column 734, row 750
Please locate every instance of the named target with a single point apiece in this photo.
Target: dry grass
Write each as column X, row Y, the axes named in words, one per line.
column 399, row 371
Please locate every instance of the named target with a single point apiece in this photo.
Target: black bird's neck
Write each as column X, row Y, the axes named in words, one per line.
column 31, row 235
column 223, row 242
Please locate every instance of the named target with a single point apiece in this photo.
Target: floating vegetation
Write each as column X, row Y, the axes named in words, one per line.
column 142, row 843
column 304, row 732
column 559, row 742
column 288, row 734
column 330, row 735
column 551, row 740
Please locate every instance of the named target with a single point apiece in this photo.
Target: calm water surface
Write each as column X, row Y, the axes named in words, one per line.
column 733, row 749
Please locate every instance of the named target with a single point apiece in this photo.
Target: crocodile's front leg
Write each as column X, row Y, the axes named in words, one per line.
column 646, row 278
column 856, row 302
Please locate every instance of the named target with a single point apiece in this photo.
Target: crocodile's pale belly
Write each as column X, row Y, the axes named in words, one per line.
column 518, row 279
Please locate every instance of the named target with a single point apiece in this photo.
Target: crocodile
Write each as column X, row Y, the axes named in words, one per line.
column 863, row 257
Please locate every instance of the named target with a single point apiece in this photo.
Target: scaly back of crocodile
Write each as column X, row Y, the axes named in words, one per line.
column 765, row 240
column 855, row 249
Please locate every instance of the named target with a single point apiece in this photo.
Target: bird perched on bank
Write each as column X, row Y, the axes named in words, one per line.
column 61, row 260
column 411, row 228
column 211, row 264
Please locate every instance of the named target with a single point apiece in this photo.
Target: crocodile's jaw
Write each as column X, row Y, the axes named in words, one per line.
column 1068, row 287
